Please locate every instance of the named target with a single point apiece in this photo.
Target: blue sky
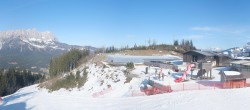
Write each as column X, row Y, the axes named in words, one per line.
column 209, row 23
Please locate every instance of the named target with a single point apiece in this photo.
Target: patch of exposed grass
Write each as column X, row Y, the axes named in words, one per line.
column 129, row 77
column 68, row 82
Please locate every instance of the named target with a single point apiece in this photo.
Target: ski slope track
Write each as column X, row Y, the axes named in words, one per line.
column 30, row 98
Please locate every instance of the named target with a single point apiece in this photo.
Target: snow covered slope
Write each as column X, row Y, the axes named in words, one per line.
column 238, row 52
column 34, row 98
column 95, row 95
column 31, row 98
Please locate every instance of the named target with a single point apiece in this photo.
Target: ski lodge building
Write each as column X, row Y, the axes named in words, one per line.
column 203, row 56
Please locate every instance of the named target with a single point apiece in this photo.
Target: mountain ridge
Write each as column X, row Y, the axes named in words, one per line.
column 31, row 49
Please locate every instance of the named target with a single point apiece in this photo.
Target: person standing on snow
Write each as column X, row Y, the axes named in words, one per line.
column 162, row 75
column 155, row 72
column 159, row 76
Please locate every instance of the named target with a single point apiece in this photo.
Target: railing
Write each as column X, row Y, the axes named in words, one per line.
column 160, row 89
column 196, row 86
column 179, row 87
column 97, row 94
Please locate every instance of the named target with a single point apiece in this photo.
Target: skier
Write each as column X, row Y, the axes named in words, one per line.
column 159, row 76
column 155, row 72
column 169, row 73
column 162, row 74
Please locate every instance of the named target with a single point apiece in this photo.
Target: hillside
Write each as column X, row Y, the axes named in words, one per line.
column 112, row 88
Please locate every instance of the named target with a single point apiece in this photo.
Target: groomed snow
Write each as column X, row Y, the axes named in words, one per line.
column 30, row 98
column 231, row 73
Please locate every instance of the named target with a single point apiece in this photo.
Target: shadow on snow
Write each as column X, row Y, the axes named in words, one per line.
column 15, row 106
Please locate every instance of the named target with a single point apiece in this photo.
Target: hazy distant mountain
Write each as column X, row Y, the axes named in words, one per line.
column 247, row 47
column 235, row 52
column 213, row 49
column 30, row 48
column 238, row 52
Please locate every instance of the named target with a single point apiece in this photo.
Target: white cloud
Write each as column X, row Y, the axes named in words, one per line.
column 204, row 29
column 220, row 29
column 239, row 31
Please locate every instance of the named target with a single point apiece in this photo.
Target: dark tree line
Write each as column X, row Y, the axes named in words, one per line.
column 66, row 62
column 111, row 49
column 177, row 46
column 139, row 47
column 13, row 79
column 187, row 45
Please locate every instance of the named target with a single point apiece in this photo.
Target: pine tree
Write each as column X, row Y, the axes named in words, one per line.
column 68, row 61
column 191, row 45
column 135, row 47
column 14, row 79
column 176, row 43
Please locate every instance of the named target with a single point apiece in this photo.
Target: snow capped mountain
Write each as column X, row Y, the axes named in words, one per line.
column 235, row 52
column 31, row 34
column 30, row 48
column 216, row 49
column 247, row 47
column 30, row 38
column 238, row 52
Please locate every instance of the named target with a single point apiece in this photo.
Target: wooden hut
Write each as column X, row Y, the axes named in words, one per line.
column 247, row 76
column 159, row 63
column 203, row 56
column 197, row 56
column 232, row 79
column 222, row 60
column 247, row 53
column 153, row 62
column 241, row 65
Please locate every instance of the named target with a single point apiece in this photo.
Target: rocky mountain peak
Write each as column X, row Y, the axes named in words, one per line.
column 31, row 48
column 27, row 35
